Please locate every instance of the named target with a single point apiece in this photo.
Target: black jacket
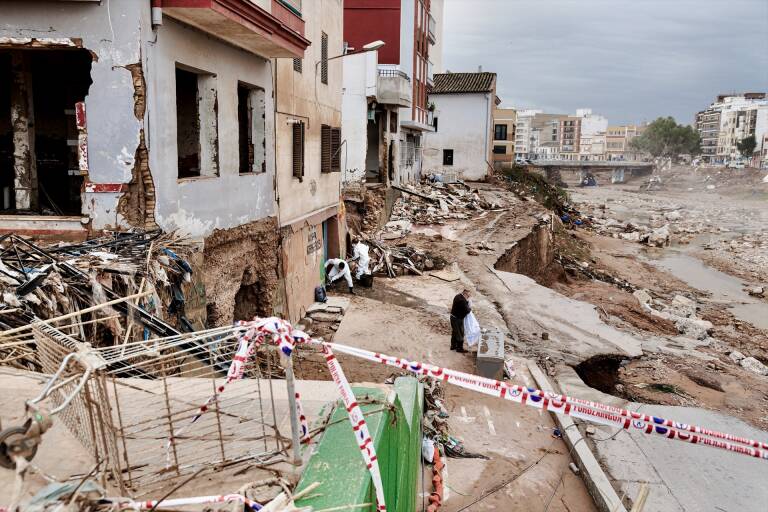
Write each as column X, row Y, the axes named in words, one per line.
column 460, row 307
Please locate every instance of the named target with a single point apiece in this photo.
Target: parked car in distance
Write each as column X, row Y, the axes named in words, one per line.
column 736, row 164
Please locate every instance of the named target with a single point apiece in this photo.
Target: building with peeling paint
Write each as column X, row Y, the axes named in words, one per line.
column 157, row 113
column 309, row 156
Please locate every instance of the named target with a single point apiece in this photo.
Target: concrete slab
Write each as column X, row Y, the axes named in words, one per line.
column 334, row 304
column 594, row 477
column 687, row 477
column 682, row 477
column 576, row 331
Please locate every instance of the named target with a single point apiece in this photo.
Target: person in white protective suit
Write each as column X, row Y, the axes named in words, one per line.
column 360, row 254
column 338, row 269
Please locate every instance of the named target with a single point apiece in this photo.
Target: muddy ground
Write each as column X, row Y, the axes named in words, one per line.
column 700, row 263
column 563, row 319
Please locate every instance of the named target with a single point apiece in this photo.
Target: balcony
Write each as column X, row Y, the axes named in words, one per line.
column 432, row 30
column 394, row 88
column 268, row 28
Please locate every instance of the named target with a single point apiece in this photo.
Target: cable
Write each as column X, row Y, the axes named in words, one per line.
column 500, row 486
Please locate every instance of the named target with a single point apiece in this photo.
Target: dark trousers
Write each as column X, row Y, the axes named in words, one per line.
column 457, row 333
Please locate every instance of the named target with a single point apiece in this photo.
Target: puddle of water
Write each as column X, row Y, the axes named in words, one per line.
column 723, row 287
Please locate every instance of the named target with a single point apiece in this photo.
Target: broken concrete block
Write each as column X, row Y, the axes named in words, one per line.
column 694, row 327
column 642, row 296
column 753, row 365
column 736, row 356
column 490, row 355
column 673, row 215
column 659, row 237
column 682, row 306
column 757, row 291
column 322, row 316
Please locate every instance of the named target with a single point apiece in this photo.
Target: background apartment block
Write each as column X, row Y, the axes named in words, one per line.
column 504, row 136
column 727, row 121
column 570, row 137
column 409, row 32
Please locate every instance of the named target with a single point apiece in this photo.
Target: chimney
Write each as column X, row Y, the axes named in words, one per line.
column 479, row 69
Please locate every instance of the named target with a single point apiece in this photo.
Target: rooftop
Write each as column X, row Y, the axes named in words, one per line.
column 454, row 83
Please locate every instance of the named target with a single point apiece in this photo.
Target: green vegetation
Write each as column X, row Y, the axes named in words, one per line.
column 664, row 137
column 548, row 194
column 746, row 146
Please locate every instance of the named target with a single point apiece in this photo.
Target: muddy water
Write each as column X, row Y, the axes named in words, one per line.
column 723, row 288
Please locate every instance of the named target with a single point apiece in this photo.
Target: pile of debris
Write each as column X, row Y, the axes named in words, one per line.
column 751, row 249
column 682, row 311
column 434, row 203
column 401, row 259
column 40, row 283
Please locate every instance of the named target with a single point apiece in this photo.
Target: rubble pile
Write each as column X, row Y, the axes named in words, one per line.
column 47, row 282
column 750, row 249
column 681, row 310
column 435, row 203
column 401, row 259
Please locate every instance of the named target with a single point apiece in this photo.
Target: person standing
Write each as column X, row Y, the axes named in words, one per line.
column 339, row 268
column 459, row 310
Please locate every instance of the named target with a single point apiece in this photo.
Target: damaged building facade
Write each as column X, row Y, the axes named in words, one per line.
column 370, row 105
column 150, row 113
column 310, row 152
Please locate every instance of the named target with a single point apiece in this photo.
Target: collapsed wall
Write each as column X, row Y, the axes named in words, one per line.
column 241, row 272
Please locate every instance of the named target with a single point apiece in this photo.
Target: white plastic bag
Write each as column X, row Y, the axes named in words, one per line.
column 471, row 329
column 428, row 449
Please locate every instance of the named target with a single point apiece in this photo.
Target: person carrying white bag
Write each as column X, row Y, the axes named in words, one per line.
column 460, row 309
column 471, row 329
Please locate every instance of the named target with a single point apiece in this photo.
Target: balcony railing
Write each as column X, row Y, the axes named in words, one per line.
column 393, row 87
column 389, row 72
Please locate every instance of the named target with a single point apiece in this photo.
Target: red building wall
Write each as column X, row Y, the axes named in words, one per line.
column 369, row 20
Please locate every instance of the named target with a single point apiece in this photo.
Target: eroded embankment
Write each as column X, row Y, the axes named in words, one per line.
column 532, row 255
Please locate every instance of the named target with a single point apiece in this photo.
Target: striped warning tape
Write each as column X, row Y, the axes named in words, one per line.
column 561, row 404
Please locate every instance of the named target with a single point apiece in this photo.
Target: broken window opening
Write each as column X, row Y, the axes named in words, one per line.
column 249, row 301
column 42, row 146
column 196, row 124
column 251, row 119
column 447, row 157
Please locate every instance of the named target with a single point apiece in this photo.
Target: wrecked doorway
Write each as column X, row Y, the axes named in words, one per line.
column 40, row 168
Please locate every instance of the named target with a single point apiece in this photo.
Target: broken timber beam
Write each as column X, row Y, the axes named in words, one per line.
column 417, row 194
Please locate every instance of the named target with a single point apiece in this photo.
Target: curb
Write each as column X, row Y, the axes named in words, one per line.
column 592, row 473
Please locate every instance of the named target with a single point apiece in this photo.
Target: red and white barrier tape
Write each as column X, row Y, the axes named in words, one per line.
column 577, row 408
column 281, row 333
column 363, row 437
column 302, row 419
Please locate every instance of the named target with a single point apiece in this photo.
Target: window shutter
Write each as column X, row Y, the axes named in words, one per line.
column 325, row 148
column 298, row 150
column 324, row 58
column 335, row 153
column 297, row 65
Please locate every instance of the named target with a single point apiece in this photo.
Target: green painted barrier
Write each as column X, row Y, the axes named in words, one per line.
column 394, row 421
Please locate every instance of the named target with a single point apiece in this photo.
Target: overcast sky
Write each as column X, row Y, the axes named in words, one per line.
column 629, row 60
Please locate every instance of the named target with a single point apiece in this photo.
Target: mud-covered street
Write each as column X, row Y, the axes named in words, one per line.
column 608, row 318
